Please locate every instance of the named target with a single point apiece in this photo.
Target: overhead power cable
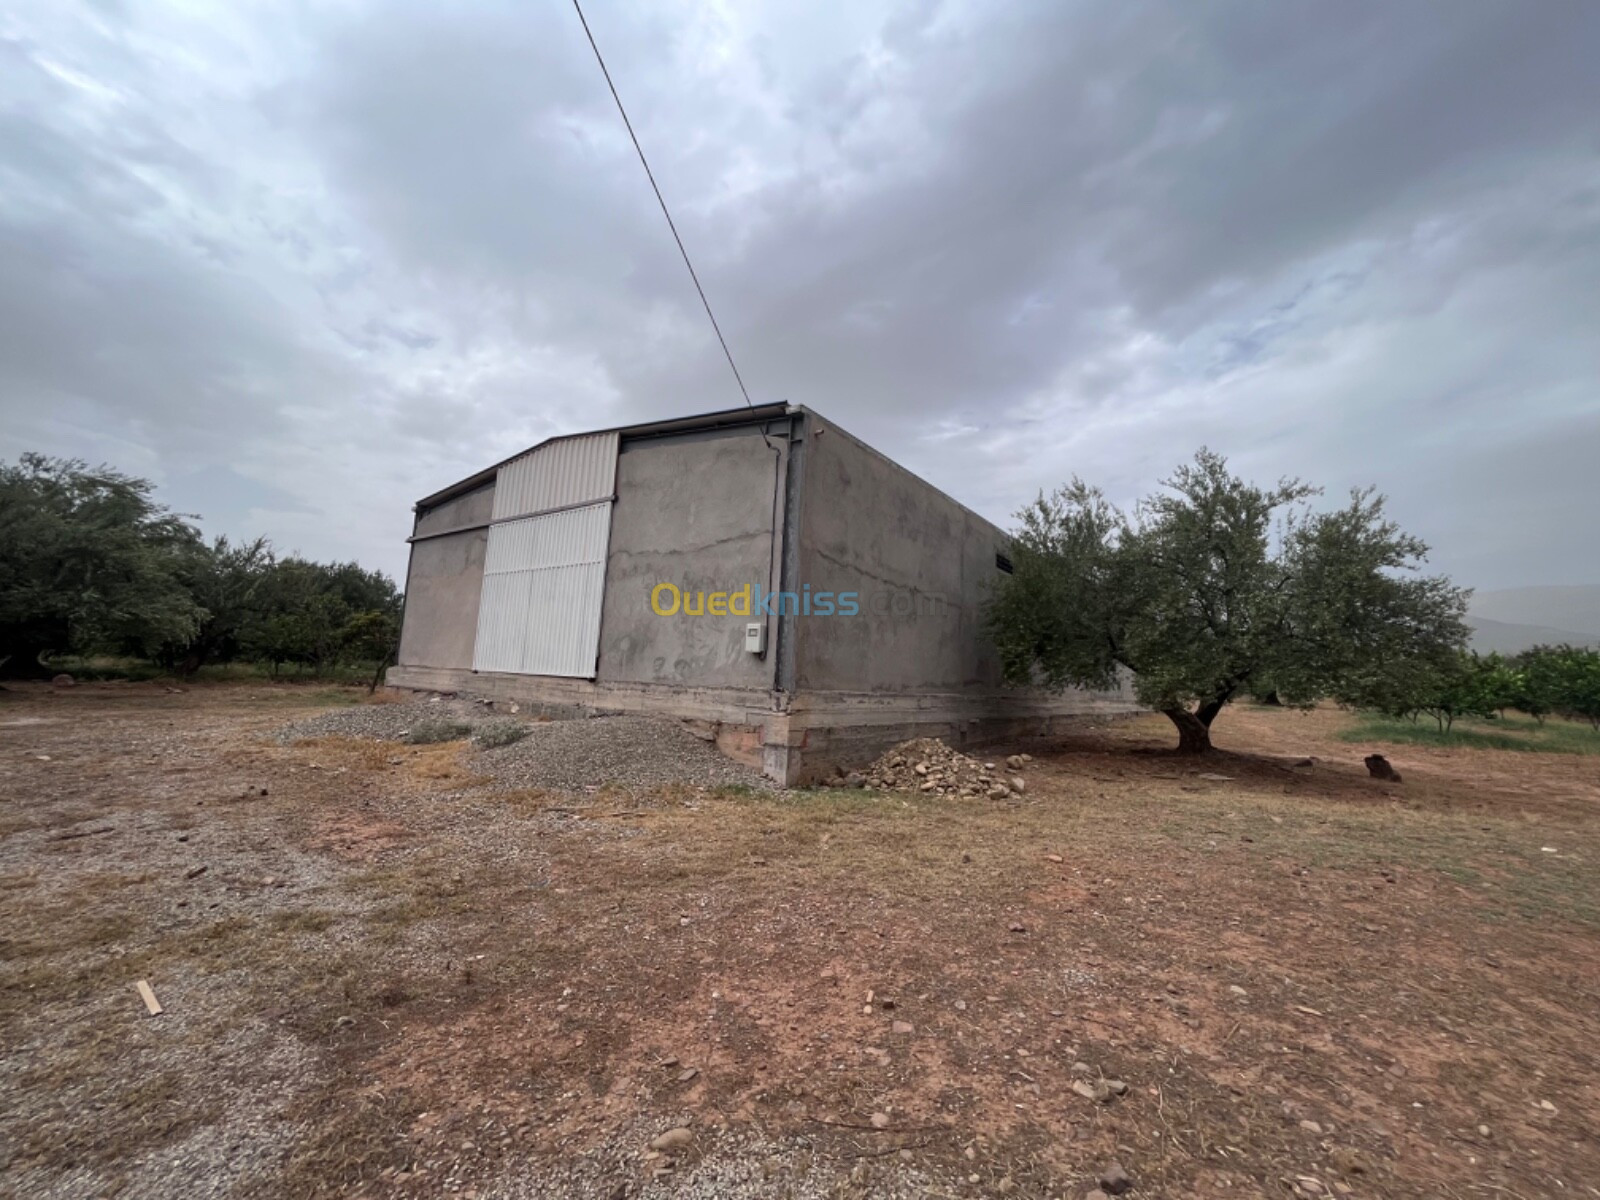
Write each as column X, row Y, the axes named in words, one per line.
column 599, row 58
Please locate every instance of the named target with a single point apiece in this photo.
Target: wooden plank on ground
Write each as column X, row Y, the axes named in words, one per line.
column 149, row 998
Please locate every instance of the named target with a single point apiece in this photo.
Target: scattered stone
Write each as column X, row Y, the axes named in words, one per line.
column 1102, row 1091
column 687, row 1074
column 64, row 680
column 1054, row 858
column 902, row 1027
column 1347, row 1160
column 1311, row 1127
column 929, row 766
column 1378, row 767
column 673, row 1139
column 880, row 1120
column 1114, row 1180
column 195, row 872
column 1236, row 990
column 1017, row 785
column 1214, row 777
column 1483, row 1131
column 1015, row 762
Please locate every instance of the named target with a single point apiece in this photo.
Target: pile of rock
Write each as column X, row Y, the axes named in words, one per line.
column 928, row 765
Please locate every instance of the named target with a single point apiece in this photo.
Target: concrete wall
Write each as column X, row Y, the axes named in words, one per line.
column 464, row 511
column 921, row 563
column 444, row 581
column 694, row 510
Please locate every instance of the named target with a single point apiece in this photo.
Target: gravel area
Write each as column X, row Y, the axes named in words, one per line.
column 635, row 754
column 388, row 722
column 724, row 1164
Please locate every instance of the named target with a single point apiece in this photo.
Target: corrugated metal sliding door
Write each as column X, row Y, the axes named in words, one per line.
column 544, row 569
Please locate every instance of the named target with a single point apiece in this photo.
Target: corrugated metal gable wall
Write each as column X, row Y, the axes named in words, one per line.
column 544, row 572
column 572, row 471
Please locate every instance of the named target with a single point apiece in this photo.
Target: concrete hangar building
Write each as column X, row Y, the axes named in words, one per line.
column 757, row 571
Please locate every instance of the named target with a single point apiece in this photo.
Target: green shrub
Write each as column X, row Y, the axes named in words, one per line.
column 426, row 733
column 500, row 733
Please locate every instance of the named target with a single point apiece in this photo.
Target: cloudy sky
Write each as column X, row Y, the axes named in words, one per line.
column 303, row 263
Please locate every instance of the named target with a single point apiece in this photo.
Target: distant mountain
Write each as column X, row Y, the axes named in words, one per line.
column 1575, row 609
column 1507, row 637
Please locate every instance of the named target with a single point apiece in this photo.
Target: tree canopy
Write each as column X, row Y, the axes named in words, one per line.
column 90, row 563
column 1539, row 681
column 1214, row 585
column 87, row 557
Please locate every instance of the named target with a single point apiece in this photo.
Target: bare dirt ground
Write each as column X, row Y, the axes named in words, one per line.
column 385, row 976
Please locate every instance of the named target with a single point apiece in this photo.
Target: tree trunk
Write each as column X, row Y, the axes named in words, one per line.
column 1271, row 698
column 1194, row 729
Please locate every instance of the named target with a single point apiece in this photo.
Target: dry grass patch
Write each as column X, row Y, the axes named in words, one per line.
column 545, row 976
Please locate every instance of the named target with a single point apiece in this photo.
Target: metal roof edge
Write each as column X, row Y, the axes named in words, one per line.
column 718, row 419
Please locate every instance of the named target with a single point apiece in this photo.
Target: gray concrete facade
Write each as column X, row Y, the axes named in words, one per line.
column 700, row 511
column 444, row 580
column 774, row 500
column 921, row 564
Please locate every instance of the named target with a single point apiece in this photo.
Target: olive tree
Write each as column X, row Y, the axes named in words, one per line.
column 1213, row 584
column 88, row 561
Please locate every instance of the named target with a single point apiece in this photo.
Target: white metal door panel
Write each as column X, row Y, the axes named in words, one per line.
column 543, row 581
column 502, row 609
column 575, row 470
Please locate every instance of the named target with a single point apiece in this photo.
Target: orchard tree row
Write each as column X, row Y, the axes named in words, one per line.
column 91, row 563
column 1563, row 680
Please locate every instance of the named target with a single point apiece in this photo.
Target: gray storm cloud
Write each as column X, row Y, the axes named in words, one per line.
column 305, row 265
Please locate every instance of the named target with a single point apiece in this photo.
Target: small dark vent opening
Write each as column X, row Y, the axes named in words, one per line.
column 1003, row 563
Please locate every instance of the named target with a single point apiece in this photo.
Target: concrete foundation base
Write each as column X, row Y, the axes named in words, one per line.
column 794, row 739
